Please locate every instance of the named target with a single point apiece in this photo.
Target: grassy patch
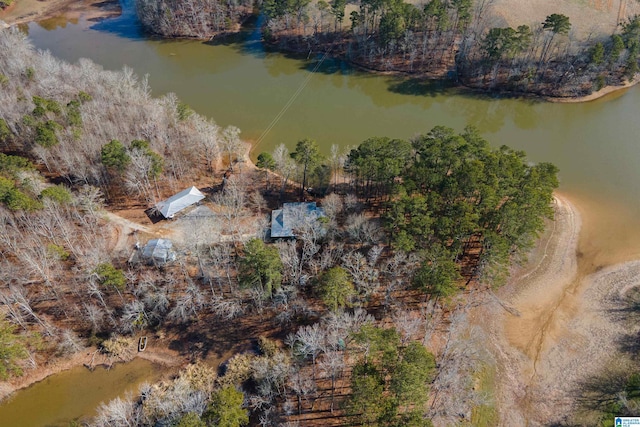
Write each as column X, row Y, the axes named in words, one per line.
column 485, row 415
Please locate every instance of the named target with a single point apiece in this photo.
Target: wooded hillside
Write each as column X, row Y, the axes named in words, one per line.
column 358, row 319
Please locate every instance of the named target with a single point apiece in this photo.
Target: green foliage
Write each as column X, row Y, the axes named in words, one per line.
column 414, row 419
column 438, row 274
column 3, row 80
column 109, row 276
column 631, row 65
column 5, row 132
column 12, row 350
column 157, row 162
column 261, row 267
column 437, row 11
column 382, row 345
column 457, row 190
column 596, row 54
column 114, row 155
column 335, row 288
column 307, row 154
column 337, row 9
column 390, row 385
column 413, row 374
column 15, row 199
column 30, row 73
column 265, row 161
column 58, row 194
column 463, row 9
column 377, row 162
column 44, row 105
column 225, row 409
column 617, row 46
column 191, row 419
column 184, row 111
column 557, row 23
column 502, row 43
column 84, row 97
column 74, row 117
column 57, row 252
column 631, row 31
column 10, row 165
column 367, row 401
column 46, row 133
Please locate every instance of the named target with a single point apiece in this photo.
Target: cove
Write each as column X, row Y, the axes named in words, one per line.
column 74, row 394
column 238, row 81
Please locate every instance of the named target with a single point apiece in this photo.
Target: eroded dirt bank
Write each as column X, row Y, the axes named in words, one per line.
column 25, row 11
column 560, row 327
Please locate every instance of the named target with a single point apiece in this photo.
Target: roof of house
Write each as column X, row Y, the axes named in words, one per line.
column 292, row 215
column 158, row 250
column 174, row 204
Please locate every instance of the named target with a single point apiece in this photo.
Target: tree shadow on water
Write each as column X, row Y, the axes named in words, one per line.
column 419, row 86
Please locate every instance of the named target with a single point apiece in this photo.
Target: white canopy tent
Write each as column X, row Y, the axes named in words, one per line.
column 174, row 204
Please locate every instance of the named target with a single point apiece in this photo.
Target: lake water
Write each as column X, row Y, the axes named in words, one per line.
column 237, row 81
column 73, row 394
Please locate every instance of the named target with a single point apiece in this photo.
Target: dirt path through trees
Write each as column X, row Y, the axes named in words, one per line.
column 560, row 327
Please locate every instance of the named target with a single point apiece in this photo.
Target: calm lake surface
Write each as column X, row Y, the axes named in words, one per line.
column 236, row 81
column 73, row 394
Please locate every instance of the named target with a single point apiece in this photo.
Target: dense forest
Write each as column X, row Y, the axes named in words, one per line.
column 450, row 40
column 201, row 19
column 360, row 320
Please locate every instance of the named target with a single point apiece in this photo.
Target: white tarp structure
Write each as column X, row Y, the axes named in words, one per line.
column 158, row 251
column 174, row 204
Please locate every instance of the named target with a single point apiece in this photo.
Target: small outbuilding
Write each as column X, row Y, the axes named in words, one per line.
column 293, row 215
column 174, row 204
column 158, row 252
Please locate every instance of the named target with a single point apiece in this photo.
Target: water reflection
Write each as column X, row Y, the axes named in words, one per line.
column 125, row 25
column 57, row 22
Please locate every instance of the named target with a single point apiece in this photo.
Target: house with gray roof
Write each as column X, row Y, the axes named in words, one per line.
column 293, row 216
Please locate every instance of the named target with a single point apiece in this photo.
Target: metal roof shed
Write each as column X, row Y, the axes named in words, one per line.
column 292, row 216
column 174, row 204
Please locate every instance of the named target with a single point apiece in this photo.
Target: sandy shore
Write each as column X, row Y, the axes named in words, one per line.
column 607, row 90
column 25, row 11
column 558, row 329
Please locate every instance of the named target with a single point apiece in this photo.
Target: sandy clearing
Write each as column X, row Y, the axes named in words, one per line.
column 518, row 335
column 587, row 17
column 24, row 11
column 559, row 328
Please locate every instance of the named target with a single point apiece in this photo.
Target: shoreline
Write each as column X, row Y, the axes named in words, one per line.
column 84, row 357
column 607, row 90
column 27, row 11
column 549, row 329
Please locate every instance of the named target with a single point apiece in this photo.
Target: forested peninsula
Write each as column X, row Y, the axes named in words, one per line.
column 357, row 318
column 446, row 40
